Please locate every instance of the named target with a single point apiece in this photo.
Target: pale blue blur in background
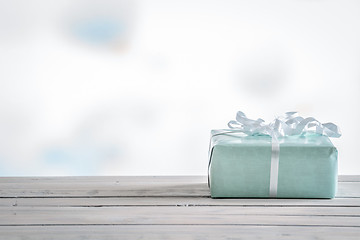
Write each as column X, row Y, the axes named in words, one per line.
column 134, row 87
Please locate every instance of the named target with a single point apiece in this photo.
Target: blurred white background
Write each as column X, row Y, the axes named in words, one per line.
column 105, row 87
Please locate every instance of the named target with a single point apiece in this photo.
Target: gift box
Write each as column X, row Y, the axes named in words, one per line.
column 292, row 157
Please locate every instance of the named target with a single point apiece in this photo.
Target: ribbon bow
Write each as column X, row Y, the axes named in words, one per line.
column 288, row 125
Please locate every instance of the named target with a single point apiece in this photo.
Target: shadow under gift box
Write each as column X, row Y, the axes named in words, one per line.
column 239, row 166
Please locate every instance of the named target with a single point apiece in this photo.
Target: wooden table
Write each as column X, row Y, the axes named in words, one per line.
column 166, row 208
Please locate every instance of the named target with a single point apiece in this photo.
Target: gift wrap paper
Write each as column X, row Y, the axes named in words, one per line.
column 239, row 166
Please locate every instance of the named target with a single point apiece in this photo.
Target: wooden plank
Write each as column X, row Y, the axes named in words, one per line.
column 175, row 201
column 349, row 178
column 348, row 189
column 137, row 189
column 72, row 189
column 284, row 216
column 107, row 179
column 132, row 179
column 178, row 232
column 220, row 210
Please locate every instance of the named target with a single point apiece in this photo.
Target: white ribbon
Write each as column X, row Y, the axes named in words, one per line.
column 288, row 125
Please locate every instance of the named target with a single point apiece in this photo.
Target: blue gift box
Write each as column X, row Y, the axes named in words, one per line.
column 255, row 163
